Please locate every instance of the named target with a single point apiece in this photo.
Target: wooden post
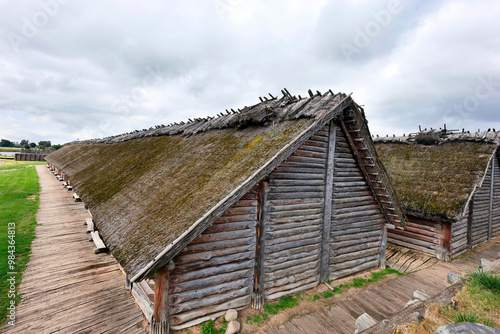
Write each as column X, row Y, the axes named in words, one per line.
column 327, row 211
column 128, row 284
column 492, row 184
column 258, row 288
column 444, row 252
column 383, row 247
column 159, row 321
column 469, row 224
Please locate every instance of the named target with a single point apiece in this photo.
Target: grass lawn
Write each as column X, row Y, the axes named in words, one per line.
column 19, row 196
column 10, row 149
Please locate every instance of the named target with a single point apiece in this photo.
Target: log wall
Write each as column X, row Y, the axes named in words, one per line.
column 495, row 214
column 420, row 234
column 480, row 216
column 459, row 236
column 356, row 222
column 215, row 271
column 293, row 227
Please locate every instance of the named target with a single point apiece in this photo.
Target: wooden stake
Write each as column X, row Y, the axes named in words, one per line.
column 258, row 289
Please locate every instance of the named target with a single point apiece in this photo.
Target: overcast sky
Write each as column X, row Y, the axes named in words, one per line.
column 84, row 69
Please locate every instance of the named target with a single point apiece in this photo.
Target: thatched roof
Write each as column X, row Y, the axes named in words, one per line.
column 153, row 191
column 436, row 179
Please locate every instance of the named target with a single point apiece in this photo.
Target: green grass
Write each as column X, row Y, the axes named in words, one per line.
column 209, row 327
column 288, row 302
column 485, row 279
column 472, row 316
column 14, row 165
column 19, row 198
column 10, row 149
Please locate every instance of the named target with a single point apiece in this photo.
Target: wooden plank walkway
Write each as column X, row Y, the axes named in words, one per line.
column 382, row 301
column 66, row 288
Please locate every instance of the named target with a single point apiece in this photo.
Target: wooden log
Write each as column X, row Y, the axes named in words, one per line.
column 258, row 293
column 335, row 245
column 492, row 185
column 90, row 224
column 342, row 270
column 293, row 291
column 194, row 248
column 100, row 246
column 383, row 246
column 190, row 295
column 142, row 300
column 293, row 213
column 318, row 204
column 340, row 211
column 178, row 319
column 303, row 242
column 348, row 221
column 359, row 255
column 211, row 258
column 183, row 274
column 283, row 281
column 282, row 255
column 291, row 270
column 269, row 262
column 299, row 224
column 207, row 281
column 292, row 286
column 290, row 263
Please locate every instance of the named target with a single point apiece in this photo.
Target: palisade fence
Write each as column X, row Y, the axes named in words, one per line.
column 31, row 155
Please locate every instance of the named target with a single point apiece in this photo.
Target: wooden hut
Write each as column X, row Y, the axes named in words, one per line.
column 240, row 209
column 449, row 186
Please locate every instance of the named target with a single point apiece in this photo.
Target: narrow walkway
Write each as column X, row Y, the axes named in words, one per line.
column 384, row 300
column 66, row 288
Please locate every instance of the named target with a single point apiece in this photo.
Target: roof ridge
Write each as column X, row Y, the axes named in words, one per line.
column 268, row 110
column 440, row 136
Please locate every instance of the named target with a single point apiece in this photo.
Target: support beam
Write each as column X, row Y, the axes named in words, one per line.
column 383, row 247
column 159, row 321
column 492, row 184
column 444, row 252
column 258, row 288
column 327, row 211
column 469, row 224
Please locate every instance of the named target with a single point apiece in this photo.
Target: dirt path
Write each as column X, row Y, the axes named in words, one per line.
column 66, row 288
column 382, row 301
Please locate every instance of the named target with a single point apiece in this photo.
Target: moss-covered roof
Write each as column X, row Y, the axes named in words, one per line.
column 435, row 180
column 146, row 189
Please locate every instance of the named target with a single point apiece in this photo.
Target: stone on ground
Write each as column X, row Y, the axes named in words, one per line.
column 231, row 315
column 233, row 327
column 466, row 328
column 454, row 277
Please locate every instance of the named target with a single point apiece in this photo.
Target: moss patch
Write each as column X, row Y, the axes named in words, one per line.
column 437, row 179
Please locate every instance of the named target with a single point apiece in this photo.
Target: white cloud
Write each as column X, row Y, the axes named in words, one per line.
column 87, row 71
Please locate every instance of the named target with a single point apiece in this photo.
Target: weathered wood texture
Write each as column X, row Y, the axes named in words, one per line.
column 293, row 229
column 495, row 213
column 423, row 235
column 66, row 288
column 356, row 230
column 459, row 236
column 480, row 216
column 216, row 270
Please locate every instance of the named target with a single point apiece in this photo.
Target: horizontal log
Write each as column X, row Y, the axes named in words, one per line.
column 348, row 178
column 291, row 231
column 353, row 263
column 270, row 262
column 283, row 182
column 433, row 244
column 181, row 318
column 211, row 258
column 286, row 220
column 293, row 213
column 348, row 221
column 292, row 291
column 218, row 227
column 342, row 216
column 317, row 205
column 296, row 158
column 348, row 173
column 271, row 240
column 336, row 245
column 426, row 250
column 214, row 280
column 314, row 148
column 209, row 246
column 289, row 245
column 362, row 254
column 276, row 195
column 293, row 169
column 299, row 176
column 290, row 263
column 351, row 189
column 341, row 211
column 277, row 274
column 356, row 194
column 316, row 143
column 282, row 255
column 238, row 218
column 298, row 189
column 355, row 248
column 220, row 237
column 183, row 297
column 336, row 274
column 180, row 276
column 314, row 279
column 299, row 224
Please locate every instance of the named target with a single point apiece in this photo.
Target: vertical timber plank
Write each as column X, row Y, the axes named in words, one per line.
column 469, row 224
column 159, row 322
column 258, row 290
column 327, row 211
column 383, row 247
column 492, row 184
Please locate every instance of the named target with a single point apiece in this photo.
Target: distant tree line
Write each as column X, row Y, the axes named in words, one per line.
column 26, row 144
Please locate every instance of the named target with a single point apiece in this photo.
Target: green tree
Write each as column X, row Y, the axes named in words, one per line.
column 56, row 146
column 6, row 143
column 24, row 142
column 32, row 145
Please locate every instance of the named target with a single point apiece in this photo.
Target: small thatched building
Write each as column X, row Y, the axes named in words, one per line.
column 449, row 186
column 240, row 209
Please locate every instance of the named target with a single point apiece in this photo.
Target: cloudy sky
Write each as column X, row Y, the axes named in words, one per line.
column 84, row 69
